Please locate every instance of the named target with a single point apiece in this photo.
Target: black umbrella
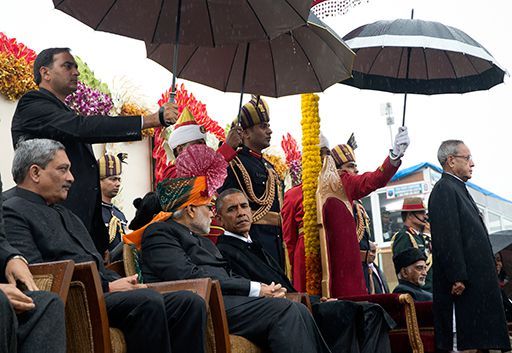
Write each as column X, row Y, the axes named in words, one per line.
column 422, row 57
column 310, row 58
column 197, row 22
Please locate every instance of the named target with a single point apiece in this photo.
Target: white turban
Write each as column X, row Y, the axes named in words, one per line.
column 186, row 133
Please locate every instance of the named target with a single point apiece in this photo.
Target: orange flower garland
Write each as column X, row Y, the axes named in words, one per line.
column 311, row 166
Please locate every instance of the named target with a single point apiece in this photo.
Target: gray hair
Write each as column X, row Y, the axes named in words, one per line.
column 178, row 214
column 448, row 148
column 37, row 151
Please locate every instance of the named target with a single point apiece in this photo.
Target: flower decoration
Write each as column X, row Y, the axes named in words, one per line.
column 87, row 101
column 87, row 76
column 293, row 158
column 160, row 150
column 311, row 166
column 185, row 99
column 16, row 68
column 131, row 109
column 279, row 164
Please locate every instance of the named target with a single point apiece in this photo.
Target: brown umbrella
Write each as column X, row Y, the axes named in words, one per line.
column 196, row 22
column 310, row 58
column 202, row 22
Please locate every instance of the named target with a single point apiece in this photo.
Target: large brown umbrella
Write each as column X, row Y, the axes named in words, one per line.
column 202, row 22
column 194, row 22
column 310, row 58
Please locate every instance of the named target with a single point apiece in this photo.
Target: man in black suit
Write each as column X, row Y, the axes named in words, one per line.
column 174, row 249
column 468, row 309
column 346, row 326
column 375, row 279
column 43, row 230
column 44, row 114
column 411, row 269
column 30, row 321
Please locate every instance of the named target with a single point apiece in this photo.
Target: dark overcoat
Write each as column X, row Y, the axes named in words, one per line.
column 39, row 114
column 462, row 253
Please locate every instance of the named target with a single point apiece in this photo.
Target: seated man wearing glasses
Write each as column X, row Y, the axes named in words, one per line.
column 411, row 269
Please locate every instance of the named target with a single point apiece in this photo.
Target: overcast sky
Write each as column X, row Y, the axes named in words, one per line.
column 481, row 119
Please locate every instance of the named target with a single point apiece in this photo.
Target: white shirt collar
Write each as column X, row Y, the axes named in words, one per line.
column 241, row 237
column 456, row 177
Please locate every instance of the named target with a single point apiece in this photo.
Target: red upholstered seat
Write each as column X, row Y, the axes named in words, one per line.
column 414, row 331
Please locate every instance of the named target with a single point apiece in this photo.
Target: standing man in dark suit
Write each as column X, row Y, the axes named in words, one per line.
column 346, row 326
column 174, row 249
column 44, row 114
column 44, row 230
column 468, row 310
column 376, row 281
column 30, row 321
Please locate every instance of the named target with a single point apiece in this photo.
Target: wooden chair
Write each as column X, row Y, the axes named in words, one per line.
column 53, row 276
column 86, row 313
column 405, row 337
column 218, row 338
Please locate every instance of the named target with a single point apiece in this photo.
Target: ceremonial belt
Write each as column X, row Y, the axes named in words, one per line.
column 270, row 219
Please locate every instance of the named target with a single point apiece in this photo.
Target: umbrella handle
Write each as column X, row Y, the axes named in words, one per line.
column 239, row 120
column 176, row 49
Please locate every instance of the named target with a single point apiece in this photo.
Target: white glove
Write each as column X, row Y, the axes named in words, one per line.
column 401, row 143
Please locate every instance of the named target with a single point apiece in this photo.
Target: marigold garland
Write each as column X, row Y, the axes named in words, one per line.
column 311, row 166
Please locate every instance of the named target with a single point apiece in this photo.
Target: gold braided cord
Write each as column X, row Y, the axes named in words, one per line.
column 267, row 199
column 114, row 225
column 363, row 221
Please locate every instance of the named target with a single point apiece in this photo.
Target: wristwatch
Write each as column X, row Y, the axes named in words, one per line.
column 18, row 257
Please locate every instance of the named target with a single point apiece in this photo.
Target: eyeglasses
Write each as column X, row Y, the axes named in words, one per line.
column 467, row 158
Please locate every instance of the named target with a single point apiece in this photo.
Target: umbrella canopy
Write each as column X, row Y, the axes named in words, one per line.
column 500, row 240
column 422, row 57
column 308, row 59
column 203, row 22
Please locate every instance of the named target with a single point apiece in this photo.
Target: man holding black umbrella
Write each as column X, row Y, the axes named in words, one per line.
column 468, row 309
column 44, row 114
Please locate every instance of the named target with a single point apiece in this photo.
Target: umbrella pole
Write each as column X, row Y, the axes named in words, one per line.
column 405, row 107
column 243, row 82
column 176, row 50
column 407, row 74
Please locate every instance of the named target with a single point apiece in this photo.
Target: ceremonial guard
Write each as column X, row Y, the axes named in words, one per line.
column 257, row 178
column 413, row 234
column 293, row 231
column 110, row 168
column 343, row 220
